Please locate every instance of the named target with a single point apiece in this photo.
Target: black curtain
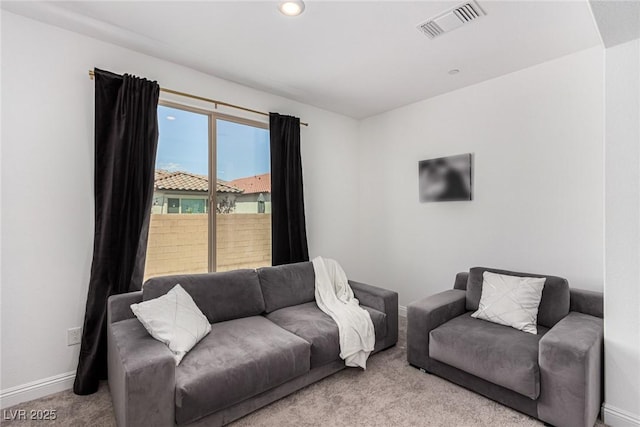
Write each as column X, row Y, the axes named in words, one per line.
column 126, row 138
column 288, row 229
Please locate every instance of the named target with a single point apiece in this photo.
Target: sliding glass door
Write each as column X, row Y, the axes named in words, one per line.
column 212, row 194
column 243, row 212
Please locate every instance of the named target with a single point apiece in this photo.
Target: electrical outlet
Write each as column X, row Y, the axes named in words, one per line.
column 74, row 336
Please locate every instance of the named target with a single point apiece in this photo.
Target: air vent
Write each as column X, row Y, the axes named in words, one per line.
column 451, row 19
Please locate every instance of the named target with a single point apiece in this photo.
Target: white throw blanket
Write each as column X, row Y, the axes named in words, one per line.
column 335, row 297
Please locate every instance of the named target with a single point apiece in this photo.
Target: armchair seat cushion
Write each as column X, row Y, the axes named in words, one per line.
column 496, row 353
column 239, row 359
column 317, row 328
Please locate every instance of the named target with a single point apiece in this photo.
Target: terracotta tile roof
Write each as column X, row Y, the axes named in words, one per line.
column 161, row 173
column 225, row 187
column 185, row 181
column 254, row 184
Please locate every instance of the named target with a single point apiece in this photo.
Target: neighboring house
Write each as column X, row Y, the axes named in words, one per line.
column 186, row 193
column 256, row 194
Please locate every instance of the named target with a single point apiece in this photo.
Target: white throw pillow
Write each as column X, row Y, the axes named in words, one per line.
column 511, row 301
column 173, row 319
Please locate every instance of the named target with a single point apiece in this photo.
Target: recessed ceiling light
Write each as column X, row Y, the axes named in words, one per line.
column 171, row 118
column 291, row 7
column 454, row 71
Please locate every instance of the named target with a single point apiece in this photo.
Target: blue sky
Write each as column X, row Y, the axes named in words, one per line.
column 183, row 145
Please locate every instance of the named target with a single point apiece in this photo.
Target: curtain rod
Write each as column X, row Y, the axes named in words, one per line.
column 213, row 101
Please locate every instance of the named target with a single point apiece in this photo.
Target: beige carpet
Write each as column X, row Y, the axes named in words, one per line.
column 388, row 393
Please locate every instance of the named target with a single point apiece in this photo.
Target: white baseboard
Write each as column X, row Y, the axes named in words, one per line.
column 36, row 389
column 402, row 311
column 616, row 417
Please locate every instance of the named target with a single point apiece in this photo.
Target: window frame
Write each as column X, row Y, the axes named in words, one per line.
column 212, row 117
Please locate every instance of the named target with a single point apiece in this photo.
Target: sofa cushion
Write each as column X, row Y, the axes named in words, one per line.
column 173, row 319
column 554, row 305
column 220, row 296
column 511, row 301
column 310, row 323
column 287, row 285
column 495, row 353
column 239, row 359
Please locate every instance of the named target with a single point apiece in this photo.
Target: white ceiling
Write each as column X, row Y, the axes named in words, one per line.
column 357, row 58
column 618, row 21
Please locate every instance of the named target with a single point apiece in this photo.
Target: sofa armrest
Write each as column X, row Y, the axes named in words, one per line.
column 461, row 281
column 141, row 373
column 427, row 314
column 118, row 306
column 570, row 358
column 372, row 296
column 382, row 300
column 587, row 302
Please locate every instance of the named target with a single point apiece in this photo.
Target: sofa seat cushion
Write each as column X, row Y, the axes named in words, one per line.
column 238, row 359
column 496, row 353
column 310, row 323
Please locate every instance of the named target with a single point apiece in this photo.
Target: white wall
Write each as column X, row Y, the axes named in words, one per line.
column 537, row 140
column 622, row 243
column 47, row 190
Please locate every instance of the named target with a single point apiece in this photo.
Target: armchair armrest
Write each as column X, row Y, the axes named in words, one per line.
column 570, row 358
column 427, row 314
column 118, row 306
column 382, row 300
column 138, row 367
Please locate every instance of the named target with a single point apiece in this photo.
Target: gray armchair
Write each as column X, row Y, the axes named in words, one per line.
column 555, row 376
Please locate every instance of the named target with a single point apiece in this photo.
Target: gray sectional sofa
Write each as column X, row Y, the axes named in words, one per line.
column 268, row 339
column 555, row 376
